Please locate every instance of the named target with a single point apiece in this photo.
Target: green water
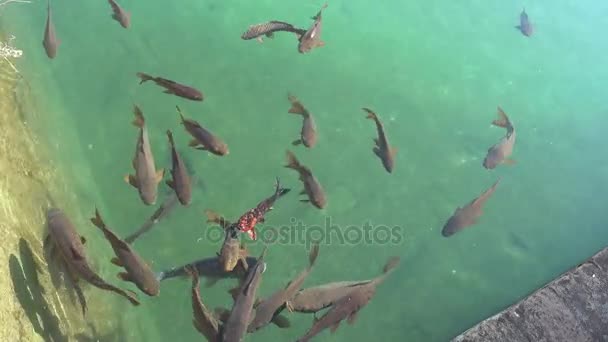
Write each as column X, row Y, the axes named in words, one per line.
column 434, row 71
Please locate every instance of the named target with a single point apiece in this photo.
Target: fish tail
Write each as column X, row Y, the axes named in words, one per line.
column 370, row 114
column 391, row 264
column 139, row 120
column 170, row 136
column 181, row 115
column 292, row 161
column 98, row 221
column 145, row 77
column 160, row 276
column 216, row 218
column 296, row 106
column 280, row 191
column 503, row 120
column 312, row 256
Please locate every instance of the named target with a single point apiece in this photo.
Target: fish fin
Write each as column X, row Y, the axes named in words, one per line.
column 139, row 120
column 251, row 234
column 193, row 143
column 281, row 321
column 297, row 142
column 288, row 306
column 83, row 239
column 144, row 77
column 305, row 200
column 503, row 120
column 202, row 148
column 116, row 262
column 262, row 219
column 334, row 327
column 47, row 242
column 319, row 43
column 159, row 175
column 210, row 282
column 376, row 141
column 124, row 276
column 378, row 152
column 168, row 91
column 130, row 179
column 222, row 313
column 234, row 292
column 75, row 254
column 518, row 27
column 509, row 161
column 270, row 35
column 257, row 303
column 303, row 192
column 352, row 317
column 259, row 40
column 170, row 183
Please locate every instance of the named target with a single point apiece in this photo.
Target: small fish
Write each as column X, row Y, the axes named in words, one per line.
column 172, row 87
column 232, row 251
column 314, row 299
column 146, row 176
column 204, row 320
column 467, row 216
column 70, row 245
column 268, row 29
column 163, row 210
column 137, row 270
column 203, row 139
column 383, row 150
column 209, row 268
column 268, row 309
column 240, row 316
column 525, row 26
column 180, row 181
column 500, row 152
column 308, row 135
column 50, row 42
column 312, row 187
column 119, row 14
column 312, row 37
column 346, row 307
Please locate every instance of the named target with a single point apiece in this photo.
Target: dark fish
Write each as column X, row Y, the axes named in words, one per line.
column 146, row 176
column 500, row 153
column 120, row 15
column 138, row 271
column 268, row 29
column 163, row 210
column 312, row 187
column 314, row 299
column 204, row 320
column 71, row 247
column 312, row 37
column 268, row 309
column 209, row 268
column 467, row 216
column 240, row 316
column 180, row 181
column 383, row 150
column 172, row 87
column 203, row 139
column 308, row 135
column 232, row 251
column 525, row 26
column 346, row 307
column 50, row 42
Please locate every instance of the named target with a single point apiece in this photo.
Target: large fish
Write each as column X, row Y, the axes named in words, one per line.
column 204, row 320
column 210, row 268
column 258, row 31
column 232, row 251
column 312, row 187
column 172, row 87
column 308, row 135
column 203, row 139
column 267, row 310
column 469, row 214
column 146, row 176
column 137, row 270
column 180, row 182
column 312, row 37
column 500, row 152
column 70, row 245
column 119, row 14
column 525, row 26
column 383, row 150
column 50, row 41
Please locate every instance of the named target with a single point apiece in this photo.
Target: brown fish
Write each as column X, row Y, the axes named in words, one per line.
column 232, row 251
column 500, row 152
column 312, row 37
column 383, row 150
column 314, row 299
column 525, row 26
column 467, row 216
column 209, row 268
column 240, row 316
column 312, row 187
column 71, row 248
column 268, row 29
column 163, row 210
column 180, row 181
column 137, row 270
column 308, row 135
column 346, row 307
column 268, row 309
column 146, row 176
column 204, row 320
column 203, row 139
column 119, row 14
column 172, row 87
column 50, row 41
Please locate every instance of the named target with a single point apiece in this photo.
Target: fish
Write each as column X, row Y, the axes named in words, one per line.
column 312, row 37
column 308, row 135
column 268, row 309
column 240, row 315
column 203, row 139
column 383, row 150
column 232, row 251
column 62, row 234
column 246, row 223
column 172, row 87
column 501, row 151
column 146, row 176
column 314, row 299
column 137, row 270
column 346, row 307
column 180, row 181
column 119, row 14
column 258, row 31
column 163, row 210
column 209, row 268
column 204, row 320
column 525, row 26
column 312, row 187
column 50, row 41
column 469, row 214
